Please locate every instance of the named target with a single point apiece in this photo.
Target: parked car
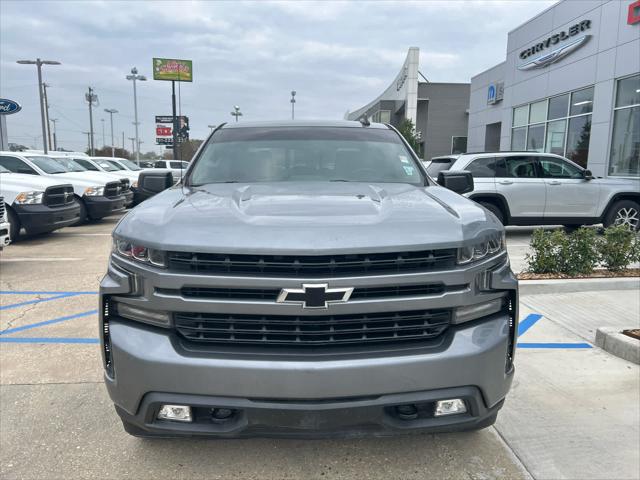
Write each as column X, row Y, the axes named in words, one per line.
column 36, row 203
column 530, row 188
column 177, row 167
column 129, row 179
column 5, row 238
column 98, row 197
column 73, row 165
column 308, row 279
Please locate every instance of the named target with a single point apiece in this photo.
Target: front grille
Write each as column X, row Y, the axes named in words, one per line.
column 312, row 331
column 124, row 184
column 1, row 208
column 58, row 196
column 308, row 266
column 112, row 190
column 272, row 293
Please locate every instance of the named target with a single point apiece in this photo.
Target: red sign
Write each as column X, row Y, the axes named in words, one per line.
column 634, row 13
column 162, row 131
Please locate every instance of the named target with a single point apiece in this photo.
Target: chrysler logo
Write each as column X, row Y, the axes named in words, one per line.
column 317, row 295
column 555, row 55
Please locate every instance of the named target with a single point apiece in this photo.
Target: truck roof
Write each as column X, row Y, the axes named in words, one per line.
column 304, row 123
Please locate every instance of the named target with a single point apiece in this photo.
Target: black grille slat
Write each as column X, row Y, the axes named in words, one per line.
column 124, row 184
column 1, row 208
column 58, row 196
column 321, row 265
column 312, row 330
column 272, row 294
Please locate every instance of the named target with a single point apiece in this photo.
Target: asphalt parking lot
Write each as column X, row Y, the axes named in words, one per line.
column 573, row 411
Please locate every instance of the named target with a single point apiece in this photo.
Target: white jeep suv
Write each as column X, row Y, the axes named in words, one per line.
column 530, row 188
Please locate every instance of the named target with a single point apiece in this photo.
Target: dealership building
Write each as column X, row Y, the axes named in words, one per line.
column 570, row 85
column 439, row 111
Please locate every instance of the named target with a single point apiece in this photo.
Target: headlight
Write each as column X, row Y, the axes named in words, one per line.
column 134, row 184
column 94, row 191
column 29, row 198
column 478, row 310
column 488, row 247
column 151, row 256
column 154, row 317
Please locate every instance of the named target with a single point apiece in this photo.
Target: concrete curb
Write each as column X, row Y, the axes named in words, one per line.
column 564, row 285
column 618, row 344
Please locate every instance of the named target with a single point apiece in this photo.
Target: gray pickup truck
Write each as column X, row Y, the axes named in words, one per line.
column 308, row 279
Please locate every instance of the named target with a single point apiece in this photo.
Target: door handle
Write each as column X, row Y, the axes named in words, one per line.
column 505, row 182
column 555, row 182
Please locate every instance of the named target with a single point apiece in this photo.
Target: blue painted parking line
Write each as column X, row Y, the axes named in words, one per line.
column 528, row 322
column 36, row 292
column 47, row 322
column 38, row 300
column 47, row 340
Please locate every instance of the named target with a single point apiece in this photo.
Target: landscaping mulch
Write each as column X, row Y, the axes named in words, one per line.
column 632, row 333
column 629, row 272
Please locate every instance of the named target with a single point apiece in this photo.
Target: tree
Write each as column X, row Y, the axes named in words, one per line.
column 408, row 131
column 106, row 152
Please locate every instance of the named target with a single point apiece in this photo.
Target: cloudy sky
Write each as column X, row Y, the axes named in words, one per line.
column 337, row 56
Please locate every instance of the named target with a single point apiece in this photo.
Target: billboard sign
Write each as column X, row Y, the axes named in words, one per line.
column 164, row 129
column 172, row 69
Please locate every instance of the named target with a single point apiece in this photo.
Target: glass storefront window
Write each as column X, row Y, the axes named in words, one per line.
column 628, row 92
column 385, row 116
column 578, row 136
column 538, row 112
column 581, row 102
column 535, row 138
column 520, row 115
column 555, row 137
column 518, row 139
column 558, row 107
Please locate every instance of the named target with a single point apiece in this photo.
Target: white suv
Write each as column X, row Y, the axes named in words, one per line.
column 530, row 188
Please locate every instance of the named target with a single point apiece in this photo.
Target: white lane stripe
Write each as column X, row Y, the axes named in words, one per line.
column 68, row 234
column 41, row 259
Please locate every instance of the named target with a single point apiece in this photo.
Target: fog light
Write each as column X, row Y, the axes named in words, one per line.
column 178, row 413
column 449, row 407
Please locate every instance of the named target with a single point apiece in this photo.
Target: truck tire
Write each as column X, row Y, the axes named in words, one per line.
column 14, row 225
column 497, row 211
column 83, row 213
column 624, row 212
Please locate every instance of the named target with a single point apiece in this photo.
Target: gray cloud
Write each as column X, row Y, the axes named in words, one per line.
column 337, row 55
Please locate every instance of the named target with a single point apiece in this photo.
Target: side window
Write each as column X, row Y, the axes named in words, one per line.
column 556, row 168
column 483, row 167
column 16, row 165
column 86, row 164
column 177, row 165
column 521, row 167
column 159, row 164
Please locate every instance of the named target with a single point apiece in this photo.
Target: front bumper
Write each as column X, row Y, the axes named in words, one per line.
column 128, row 198
column 99, row 206
column 4, row 234
column 40, row 218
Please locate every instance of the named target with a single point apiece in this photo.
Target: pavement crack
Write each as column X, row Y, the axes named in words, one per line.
column 25, row 310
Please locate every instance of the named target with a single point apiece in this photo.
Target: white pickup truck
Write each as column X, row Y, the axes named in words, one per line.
column 97, row 194
column 34, row 203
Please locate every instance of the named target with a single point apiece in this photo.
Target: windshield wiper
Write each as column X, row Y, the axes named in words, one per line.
column 339, row 180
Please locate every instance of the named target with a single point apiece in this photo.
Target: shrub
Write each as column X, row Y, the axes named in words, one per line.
column 548, row 251
column 581, row 252
column 619, row 247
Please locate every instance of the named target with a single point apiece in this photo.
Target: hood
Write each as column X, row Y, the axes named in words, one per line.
column 305, row 217
column 90, row 178
column 26, row 182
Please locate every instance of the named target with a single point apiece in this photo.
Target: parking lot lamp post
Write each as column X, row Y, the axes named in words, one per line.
column 55, row 140
column 38, row 63
column 293, row 104
column 134, row 76
column 111, row 111
column 236, row 112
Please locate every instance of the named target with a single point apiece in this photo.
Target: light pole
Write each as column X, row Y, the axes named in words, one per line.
column 38, row 63
column 104, row 143
column 88, row 134
column 134, row 76
column 212, row 127
column 293, row 104
column 111, row 111
column 55, row 140
column 46, row 111
column 133, row 145
column 236, row 112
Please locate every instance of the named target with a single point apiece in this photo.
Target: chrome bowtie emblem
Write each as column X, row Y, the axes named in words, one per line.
column 314, row 295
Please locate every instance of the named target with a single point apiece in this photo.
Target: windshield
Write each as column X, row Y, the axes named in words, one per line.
column 49, row 165
column 4, row 170
column 285, row 154
column 70, row 164
column 127, row 163
column 108, row 166
column 439, row 165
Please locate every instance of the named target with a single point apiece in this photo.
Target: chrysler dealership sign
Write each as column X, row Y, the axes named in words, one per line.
column 555, row 47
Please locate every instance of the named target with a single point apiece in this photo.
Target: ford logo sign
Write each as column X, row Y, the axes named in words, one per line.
column 7, row 107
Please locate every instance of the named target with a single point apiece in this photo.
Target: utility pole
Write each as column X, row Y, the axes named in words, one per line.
column 236, row 112
column 55, row 140
column 293, row 104
column 88, row 134
column 104, row 142
column 123, row 143
column 91, row 97
column 133, row 146
column 134, row 76
column 38, row 63
column 46, row 110
column 111, row 111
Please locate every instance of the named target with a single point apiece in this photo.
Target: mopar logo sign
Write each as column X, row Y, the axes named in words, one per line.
column 495, row 93
column 8, row 107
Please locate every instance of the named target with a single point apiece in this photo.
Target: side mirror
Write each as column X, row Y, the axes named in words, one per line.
column 150, row 183
column 588, row 175
column 458, row 181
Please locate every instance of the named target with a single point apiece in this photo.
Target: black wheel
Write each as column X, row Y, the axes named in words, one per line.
column 624, row 212
column 14, row 225
column 497, row 211
column 84, row 216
